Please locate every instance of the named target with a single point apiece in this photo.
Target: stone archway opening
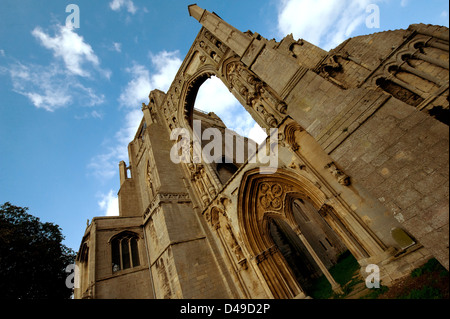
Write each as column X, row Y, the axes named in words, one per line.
column 321, row 229
column 214, row 97
column 294, row 252
column 210, row 105
column 309, row 246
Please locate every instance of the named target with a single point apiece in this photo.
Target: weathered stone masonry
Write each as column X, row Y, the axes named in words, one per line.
column 363, row 160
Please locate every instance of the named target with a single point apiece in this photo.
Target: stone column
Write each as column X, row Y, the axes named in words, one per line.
column 334, row 285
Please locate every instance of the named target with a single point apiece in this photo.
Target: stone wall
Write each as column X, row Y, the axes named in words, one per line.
column 362, row 137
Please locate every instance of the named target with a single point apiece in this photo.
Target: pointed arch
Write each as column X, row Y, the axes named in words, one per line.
column 265, row 194
column 190, row 90
column 263, row 198
column 124, row 250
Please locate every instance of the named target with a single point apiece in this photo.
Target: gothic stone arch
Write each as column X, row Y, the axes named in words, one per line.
column 265, row 197
column 209, row 57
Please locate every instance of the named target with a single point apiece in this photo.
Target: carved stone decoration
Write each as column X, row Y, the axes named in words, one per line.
column 236, row 248
column 212, row 47
column 330, row 64
column 323, row 211
column 217, row 209
column 149, row 180
column 272, row 194
column 215, row 42
column 409, row 75
column 215, row 218
column 289, row 135
column 268, row 118
column 172, row 100
column 340, row 176
column 209, row 185
column 280, row 106
column 202, row 182
column 208, row 216
column 256, row 94
column 265, row 254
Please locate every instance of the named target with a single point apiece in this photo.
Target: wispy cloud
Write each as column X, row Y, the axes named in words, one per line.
column 50, row 87
column 404, row 3
column 117, row 47
column 117, row 5
column 41, row 85
column 138, row 87
column 59, row 84
column 93, row 114
column 325, row 23
column 165, row 65
column 105, row 165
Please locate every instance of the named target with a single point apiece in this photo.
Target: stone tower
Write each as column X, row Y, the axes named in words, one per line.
column 361, row 137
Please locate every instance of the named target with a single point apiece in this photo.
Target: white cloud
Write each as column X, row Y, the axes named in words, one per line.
column 138, row 88
column 71, row 48
column 49, row 87
column 109, row 204
column 213, row 96
column 58, row 84
column 257, row 134
column 106, row 165
column 116, row 5
column 93, row 114
column 126, row 134
column 2, row 52
column 325, row 23
column 404, row 3
column 166, row 64
column 117, row 47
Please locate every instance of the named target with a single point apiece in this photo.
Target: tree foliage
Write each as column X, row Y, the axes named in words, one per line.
column 33, row 259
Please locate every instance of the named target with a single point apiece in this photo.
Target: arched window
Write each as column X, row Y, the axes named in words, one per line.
column 124, row 251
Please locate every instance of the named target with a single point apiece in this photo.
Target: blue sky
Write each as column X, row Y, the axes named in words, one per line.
column 70, row 98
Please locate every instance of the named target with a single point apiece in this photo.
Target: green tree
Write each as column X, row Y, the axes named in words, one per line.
column 33, row 259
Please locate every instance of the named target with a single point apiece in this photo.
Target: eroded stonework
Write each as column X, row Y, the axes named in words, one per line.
column 362, row 166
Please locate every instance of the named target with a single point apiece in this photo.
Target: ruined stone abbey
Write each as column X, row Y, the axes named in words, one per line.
column 363, row 157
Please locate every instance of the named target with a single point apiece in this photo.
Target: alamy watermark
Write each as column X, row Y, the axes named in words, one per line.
column 373, row 279
column 373, row 19
column 73, row 277
column 73, row 19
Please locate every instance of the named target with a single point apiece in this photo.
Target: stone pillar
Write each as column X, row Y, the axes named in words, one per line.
column 122, row 172
column 334, row 285
column 229, row 35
